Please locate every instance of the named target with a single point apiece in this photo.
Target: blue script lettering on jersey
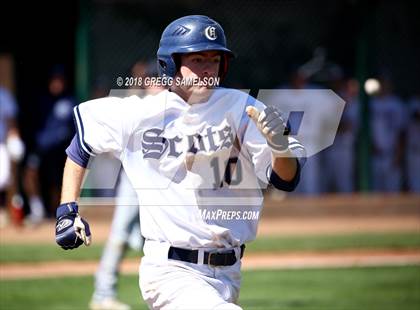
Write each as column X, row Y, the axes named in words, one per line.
column 154, row 144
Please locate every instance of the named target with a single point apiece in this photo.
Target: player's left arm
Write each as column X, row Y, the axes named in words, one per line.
column 285, row 166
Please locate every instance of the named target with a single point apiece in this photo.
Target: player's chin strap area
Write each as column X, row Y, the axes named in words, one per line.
column 213, row 258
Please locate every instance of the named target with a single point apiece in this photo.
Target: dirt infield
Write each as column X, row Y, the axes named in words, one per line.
column 294, row 216
column 338, row 259
column 268, row 226
column 328, row 214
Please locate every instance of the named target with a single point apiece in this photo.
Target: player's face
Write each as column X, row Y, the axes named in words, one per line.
column 197, row 66
column 200, row 64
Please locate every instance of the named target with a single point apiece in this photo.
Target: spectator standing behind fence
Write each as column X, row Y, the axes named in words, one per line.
column 12, row 150
column 54, row 131
column 387, row 119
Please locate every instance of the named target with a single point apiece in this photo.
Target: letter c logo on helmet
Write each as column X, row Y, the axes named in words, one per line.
column 189, row 34
column 210, row 33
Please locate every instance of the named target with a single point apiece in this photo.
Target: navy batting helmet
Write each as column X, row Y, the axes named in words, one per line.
column 188, row 34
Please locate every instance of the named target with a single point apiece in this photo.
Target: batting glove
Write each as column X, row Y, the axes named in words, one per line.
column 71, row 230
column 272, row 125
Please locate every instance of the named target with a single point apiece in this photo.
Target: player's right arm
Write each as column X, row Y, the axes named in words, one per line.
column 72, row 181
column 101, row 127
column 71, row 230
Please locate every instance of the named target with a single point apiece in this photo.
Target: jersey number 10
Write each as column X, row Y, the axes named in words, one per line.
column 233, row 165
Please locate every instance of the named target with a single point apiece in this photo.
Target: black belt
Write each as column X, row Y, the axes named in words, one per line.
column 213, row 258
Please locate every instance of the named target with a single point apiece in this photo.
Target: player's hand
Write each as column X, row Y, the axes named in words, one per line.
column 272, row 126
column 71, row 230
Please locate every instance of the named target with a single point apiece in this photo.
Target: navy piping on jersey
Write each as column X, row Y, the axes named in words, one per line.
column 76, row 153
column 279, row 183
column 81, row 131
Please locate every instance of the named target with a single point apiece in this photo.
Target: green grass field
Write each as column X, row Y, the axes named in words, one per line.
column 352, row 288
column 35, row 253
column 348, row 288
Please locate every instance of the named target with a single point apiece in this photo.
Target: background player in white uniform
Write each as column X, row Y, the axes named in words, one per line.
column 337, row 176
column 124, row 233
column 175, row 148
column 388, row 119
column 125, row 227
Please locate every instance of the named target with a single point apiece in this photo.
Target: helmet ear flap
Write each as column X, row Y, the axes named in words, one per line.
column 166, row 66
column 162, row 64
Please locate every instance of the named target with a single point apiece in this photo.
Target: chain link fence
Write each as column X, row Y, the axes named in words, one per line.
column 269, row 37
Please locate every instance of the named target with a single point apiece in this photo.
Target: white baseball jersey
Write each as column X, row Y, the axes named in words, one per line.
column 388, row 120
column 176, row 154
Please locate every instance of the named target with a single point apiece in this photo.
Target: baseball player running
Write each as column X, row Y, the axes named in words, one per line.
column 196, row 155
